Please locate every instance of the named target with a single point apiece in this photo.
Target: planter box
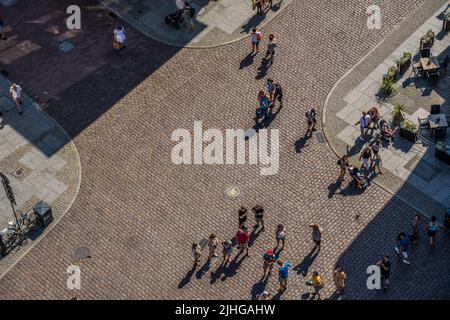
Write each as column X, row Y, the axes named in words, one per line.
column 426, row 45
column 442, row 155
column 408, row 135
column 402, row 68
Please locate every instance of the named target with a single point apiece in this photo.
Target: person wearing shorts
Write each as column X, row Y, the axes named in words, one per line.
column 343, row 163
column 365, row 156
column 312, row 121
column 278, row 94
column 364, row 124
column 283, row 273
column 227, row 251
column 432, row 230
column 259, row 217
column 402, row 247
column 385, row 270
column 271, row 48
column 196, row 253
column 255, row 37
column 280, row 236
column 242, row 238
column 316, row 235
column 269, row 259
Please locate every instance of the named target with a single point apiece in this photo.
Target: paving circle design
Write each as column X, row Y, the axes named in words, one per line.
column 232, row 192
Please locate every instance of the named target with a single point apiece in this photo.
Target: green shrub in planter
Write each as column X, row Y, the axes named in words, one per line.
column 397, row 113
column 427, row 39
column 408, row 130
column 446, row 21
column 391, row 74
column 388, row 86
column 404, row 62
column 442, row 151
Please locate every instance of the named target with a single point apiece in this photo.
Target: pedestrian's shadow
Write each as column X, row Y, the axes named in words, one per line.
column 352, row 190
column 216, row 275
column 302, row 267
column 278, row 295
column 253, row 236
column 231, row 270
column 333, row 187
column 356, row 148
column 203, row 270
column 263, row 68
column 335, row 296
column 186, row 279
column 258, row 288
column 302, row 142
column 266, row 121
column 247, row 61
column 254, row 21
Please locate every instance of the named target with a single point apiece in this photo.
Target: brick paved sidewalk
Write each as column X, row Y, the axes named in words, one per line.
column 216, row 22
column 139, row 213
column 39, row 159
column 411, row 170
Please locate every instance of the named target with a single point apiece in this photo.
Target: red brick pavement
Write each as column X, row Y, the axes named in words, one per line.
column 139, row 213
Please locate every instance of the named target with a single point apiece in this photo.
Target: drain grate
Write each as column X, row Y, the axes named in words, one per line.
column 81, row 253
column 65, row 46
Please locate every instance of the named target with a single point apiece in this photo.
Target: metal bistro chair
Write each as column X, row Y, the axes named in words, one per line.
column 423, row 124
column 417, row 69
column 440, row 133
column 435, row 109
column 425, row 53
column 434, row 75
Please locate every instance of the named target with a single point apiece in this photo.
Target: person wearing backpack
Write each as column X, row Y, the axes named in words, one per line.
column 255, row 37
column 432, row 230
column 269, row 259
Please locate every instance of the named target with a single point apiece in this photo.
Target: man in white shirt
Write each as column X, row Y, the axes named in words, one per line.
column 119, row 37
column 180, row 4
column 364, row 124
column 16, row 92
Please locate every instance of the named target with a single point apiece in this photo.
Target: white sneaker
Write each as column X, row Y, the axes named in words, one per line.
column 406, row 261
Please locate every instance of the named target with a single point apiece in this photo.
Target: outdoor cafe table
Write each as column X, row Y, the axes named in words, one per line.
column 429, row 64
column 435, row 124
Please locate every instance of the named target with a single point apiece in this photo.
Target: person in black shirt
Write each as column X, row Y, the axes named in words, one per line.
column 385, row 269
column 259, row 216
column 242, row 216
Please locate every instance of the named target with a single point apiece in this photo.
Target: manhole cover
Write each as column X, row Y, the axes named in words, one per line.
column 232, row 192
column 65, row 46
column 81, row 253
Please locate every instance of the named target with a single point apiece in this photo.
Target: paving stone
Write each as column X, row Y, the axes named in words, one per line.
column 6, row 104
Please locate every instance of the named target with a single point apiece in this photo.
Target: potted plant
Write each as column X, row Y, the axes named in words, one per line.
column 388, row 87
column 446, row 26
column 404, row 62
column 427, row 40
column 397, row 114
column 408, row 130
column 391, row 74
column 442, row 151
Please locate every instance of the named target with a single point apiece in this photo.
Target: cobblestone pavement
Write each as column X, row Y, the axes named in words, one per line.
column 427, row 184
column 215, row 23
column 40, row 161
column 139, row 213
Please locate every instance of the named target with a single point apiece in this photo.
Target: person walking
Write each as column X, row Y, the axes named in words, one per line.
column 365, row 156
column 311, row 115
column 119, row 38
column 376, row 148
column 343, row 163
column 270, row 53
column 385, row 271
column 317, row 284
column 415, row 228
column 283, row 274
column 270, row 89
column 2, row 34
column 255, row 37
column 196, row 253
column 316, row 235
column 16, row 93
column 263, row 103
column 280, row 236
column 213, row 243
column 227, row 251
column 269, row 259
column 432, row 230
column 242, row 216
column 278, row 94
column 339, row 277
column 364, row 124
column 402, row 247
column 242, row 238
column 258, row 211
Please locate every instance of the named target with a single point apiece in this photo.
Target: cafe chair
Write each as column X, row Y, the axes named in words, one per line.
column 434, row 75
column 440, row 134
column 425, row 53
column 417, row 69
column 435, row 109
